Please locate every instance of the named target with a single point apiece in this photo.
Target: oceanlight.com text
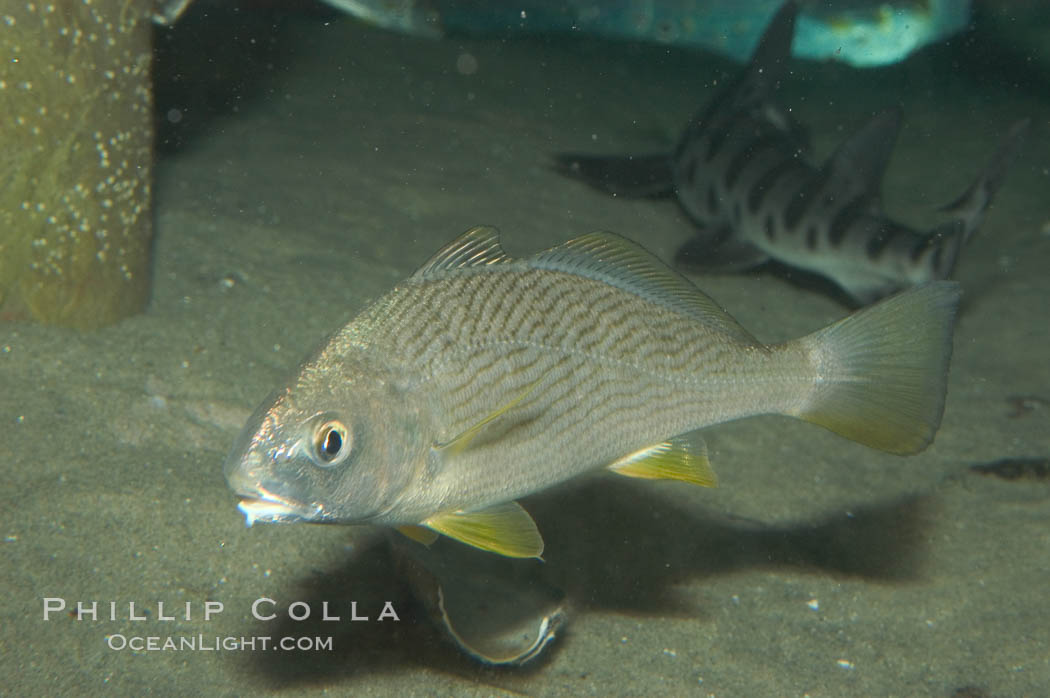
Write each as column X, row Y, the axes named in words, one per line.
column 216, row 643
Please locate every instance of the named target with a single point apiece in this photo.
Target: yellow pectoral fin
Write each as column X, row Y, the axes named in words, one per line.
column 419, row 534
column 676, row 459
column 463, row 440
column 505, row 529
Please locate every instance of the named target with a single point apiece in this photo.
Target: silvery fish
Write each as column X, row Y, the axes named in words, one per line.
column 739, row 173
column 482, row 379
column 860, row 32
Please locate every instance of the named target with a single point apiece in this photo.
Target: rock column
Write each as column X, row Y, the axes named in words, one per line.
column 76, row 154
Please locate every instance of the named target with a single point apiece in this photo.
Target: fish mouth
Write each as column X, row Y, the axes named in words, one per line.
column 257, row 502
column 269, row 508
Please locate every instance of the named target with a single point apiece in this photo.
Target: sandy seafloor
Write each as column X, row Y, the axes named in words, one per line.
column 818, row 567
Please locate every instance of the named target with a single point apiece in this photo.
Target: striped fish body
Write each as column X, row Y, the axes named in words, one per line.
column 482, row 379
column 600, row 373
column 741, row 174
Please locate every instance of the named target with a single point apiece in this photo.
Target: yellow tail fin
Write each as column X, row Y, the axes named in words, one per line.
column 883, row 370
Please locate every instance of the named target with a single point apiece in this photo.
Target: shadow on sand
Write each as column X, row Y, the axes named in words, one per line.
column 611, row 546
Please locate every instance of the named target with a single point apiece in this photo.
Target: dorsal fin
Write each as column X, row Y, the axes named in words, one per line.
column 768, row 64
column 856, row 168
column 477, row 247
column 615, row 260
column 774, row 46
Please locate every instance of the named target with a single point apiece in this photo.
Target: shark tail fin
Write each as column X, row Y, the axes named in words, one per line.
column 630, row 176
column 972, row 204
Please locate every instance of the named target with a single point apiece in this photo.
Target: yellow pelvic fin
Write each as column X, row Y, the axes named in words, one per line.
column 505, row 529
column 419, row 534
column 460, row 442
column 677, row 459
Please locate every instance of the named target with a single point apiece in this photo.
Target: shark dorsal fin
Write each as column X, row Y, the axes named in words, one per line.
column 774, row 46
column 851, row 178
column 768, row 62
column 856, row 168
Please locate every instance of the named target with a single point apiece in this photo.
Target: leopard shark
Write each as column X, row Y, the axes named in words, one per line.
column 740, row 173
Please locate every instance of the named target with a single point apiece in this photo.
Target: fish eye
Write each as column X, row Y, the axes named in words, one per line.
column 331, row 443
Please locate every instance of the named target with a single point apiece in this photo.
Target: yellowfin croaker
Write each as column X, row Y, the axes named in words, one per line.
column 482, row 379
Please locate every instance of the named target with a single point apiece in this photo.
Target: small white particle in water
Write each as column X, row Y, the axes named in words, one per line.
column 814, row 604
column 670, row 652
column 466, row 64
column 623, row 640
column 844, row 663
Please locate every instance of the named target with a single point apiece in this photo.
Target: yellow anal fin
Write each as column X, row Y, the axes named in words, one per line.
column 677, row 459
column 463, row 440
column 505, row 529
column 419, row 534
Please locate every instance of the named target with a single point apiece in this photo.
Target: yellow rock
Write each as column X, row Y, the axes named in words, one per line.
column 75, row 160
